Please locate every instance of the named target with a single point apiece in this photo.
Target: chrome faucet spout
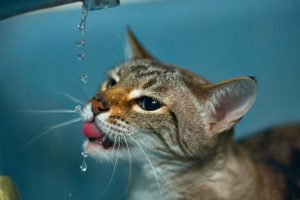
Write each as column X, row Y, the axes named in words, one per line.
column 101, row 4
column 16, row 7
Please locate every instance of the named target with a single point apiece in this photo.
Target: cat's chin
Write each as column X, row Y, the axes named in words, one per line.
column 98, row 151
column 102, row 152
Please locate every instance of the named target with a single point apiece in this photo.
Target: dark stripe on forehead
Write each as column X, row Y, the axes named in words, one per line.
column 148, row 83
column 145, row 66
column 151, row 73
column 138, row 68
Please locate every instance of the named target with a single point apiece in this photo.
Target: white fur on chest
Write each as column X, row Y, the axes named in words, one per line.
column 146, row 186
column 194, row 183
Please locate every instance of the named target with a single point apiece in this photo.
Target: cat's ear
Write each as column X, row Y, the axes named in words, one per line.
column 227, row 102
column 135, row 49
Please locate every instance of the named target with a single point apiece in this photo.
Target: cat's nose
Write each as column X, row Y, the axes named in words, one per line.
column 99, row 105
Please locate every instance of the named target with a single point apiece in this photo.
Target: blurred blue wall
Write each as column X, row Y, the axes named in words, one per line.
column 214, row 38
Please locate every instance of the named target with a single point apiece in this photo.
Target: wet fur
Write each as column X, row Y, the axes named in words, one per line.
column 189, row 142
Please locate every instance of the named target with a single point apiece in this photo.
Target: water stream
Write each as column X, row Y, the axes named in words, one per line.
column 81, row 44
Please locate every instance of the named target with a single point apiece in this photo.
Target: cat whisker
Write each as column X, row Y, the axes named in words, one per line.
column 130, row 167
column 114, row 169
column 66, row 123
column 154, row 172
column 49, row 111
column 113, row 149
column 69, row 122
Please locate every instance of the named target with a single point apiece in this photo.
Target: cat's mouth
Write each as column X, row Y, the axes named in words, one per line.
column 105, row 142
column 98, row 137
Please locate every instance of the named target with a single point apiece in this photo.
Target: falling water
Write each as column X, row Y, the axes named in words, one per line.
column 81, row 55
column 82, row 23
column 82, row 42
column 83, row 166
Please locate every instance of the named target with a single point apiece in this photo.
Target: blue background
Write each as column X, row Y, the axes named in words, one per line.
column 214, row 38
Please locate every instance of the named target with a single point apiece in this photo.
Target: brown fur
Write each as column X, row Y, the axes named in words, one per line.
column 247, row 168
column 277, row 151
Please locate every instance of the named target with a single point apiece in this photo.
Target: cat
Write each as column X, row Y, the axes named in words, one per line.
column 179, row 128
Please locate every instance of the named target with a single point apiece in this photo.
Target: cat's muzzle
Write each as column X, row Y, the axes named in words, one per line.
column 97, row 136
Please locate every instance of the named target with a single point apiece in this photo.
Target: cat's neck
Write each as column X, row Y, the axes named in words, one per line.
column 218, row 172
column 224, row 150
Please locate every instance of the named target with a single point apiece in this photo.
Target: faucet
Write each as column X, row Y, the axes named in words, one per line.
column 11, row 8
column 100, row 4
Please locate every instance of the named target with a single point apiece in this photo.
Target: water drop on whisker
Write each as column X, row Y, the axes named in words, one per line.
column 78, row 108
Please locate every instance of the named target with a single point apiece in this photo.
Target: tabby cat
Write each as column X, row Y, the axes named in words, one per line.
column 179, row 128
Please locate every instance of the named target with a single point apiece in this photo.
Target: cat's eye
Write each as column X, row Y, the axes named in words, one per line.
column 111, row 82
column 148, row 103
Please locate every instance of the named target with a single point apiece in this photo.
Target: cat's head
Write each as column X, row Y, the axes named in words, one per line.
column 145, row 105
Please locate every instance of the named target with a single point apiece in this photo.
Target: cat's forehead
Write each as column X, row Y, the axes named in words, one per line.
column 145, row 71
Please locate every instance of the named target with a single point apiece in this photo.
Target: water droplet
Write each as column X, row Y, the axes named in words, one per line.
column 80, row 26
column 81, row 56
column 84, row 154
column 78, row 108
column 83, row 166
column 80, row 43
column 83, row 78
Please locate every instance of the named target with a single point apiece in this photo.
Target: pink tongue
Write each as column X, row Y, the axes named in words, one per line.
column 91, row 131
